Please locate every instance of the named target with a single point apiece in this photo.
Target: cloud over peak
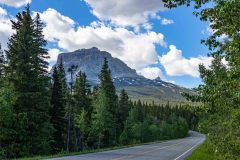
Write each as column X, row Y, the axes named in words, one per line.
column 126, row 12
column 151, row 72
column 137, row 50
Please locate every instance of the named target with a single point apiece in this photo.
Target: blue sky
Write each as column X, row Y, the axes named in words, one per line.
column 148, row 37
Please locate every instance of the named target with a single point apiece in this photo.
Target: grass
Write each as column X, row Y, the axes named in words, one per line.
column 158, row 94
column 204, row 152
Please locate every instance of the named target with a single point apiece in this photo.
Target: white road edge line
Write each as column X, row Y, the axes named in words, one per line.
column 149, row 151
column 189, row 150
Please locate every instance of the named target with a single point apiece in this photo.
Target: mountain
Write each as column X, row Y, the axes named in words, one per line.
column 91, row 60
column 138, row 87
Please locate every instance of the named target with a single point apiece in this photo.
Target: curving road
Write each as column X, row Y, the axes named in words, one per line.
column 168, row 150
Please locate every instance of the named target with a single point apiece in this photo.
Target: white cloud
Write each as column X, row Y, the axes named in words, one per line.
column 15, row 3
column 151, row 72
column 53, row 53
column 167, row 21
column 56, row 24
column 3, row 12
column 177, row 65
column 147, row 26
column 5, row 28
column 137, row 50
column 126, row 12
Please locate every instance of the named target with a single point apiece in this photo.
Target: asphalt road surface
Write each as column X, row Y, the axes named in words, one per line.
column 168, row 150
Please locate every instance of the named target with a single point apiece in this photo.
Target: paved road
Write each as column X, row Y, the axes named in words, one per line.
column 169, row 150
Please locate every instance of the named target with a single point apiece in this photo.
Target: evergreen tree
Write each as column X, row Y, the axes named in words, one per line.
column 106, row 104
column 140, row 111
column 83, row 107
column 102, row 121
column 71, row 111
column 107, row 88
column 63, row 80
column 82, row 124
column 106, row 84
column 123, row 109
column 81, row 94
column 57, row 111
column 29, row 76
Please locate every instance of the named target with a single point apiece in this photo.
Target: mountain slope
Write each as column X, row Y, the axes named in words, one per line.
column 138, row 87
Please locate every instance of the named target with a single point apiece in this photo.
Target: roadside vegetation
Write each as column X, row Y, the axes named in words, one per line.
column 43, row 114
column 205, row 151
column 220, row 91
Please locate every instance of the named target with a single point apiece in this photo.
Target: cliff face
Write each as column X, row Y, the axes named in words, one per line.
column 91, row 60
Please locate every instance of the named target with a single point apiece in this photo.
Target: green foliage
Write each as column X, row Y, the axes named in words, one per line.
column 57, row 112
column 82, row 95
column 105, row 109
column 82, row 124
column 106, row 85
column 123, row 139
column 220, row 90
column 205, row 151
column 123, row 109
column 27, row 73
column 81, row 121
column 151, row 127
column 82, row 108
column 102, row 121
column 7, row 120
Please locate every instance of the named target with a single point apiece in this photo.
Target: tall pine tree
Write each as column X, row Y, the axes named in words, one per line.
column 62, row 78
column 106, row 104
column 81, row 93
column 107, row 86
column 82, row 107
column 102, row 121
column 29, row 76
column 58, row 110
column 123, row 110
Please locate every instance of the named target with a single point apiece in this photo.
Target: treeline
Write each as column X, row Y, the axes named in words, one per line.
column 42, row 115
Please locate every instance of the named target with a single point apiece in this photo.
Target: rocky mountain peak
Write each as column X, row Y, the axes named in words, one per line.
column 91, row 60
